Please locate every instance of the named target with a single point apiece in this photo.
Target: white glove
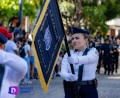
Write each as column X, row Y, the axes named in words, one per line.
column 73, row 60
column 73, row 77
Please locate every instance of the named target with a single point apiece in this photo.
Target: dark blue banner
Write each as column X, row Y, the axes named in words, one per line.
column 47, row 41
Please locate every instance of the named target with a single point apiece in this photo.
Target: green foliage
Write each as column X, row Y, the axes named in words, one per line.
column 95, row 18
column 67, row 8
column 29, row 10
column 63, row 48
column 113, row 9
column 10, row 8
column 94, row 14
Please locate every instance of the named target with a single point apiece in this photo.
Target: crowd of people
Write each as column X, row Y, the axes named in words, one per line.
column 101, row 52
column 19, row 43
column 108, row 49
column 87, row 51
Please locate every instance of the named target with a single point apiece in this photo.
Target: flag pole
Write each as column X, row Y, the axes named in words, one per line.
column 65, row 39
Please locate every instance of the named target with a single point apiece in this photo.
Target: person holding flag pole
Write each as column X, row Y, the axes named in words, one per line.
column 78, row 69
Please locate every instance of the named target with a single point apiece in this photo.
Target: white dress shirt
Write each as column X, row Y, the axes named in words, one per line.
column 90, row 62
column 10, row 46
column 15, row 70
column 27, row 48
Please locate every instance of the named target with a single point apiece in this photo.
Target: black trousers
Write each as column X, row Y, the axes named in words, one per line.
column 115, row 64
column 87, row 91
column 99, row 63
column 108, row 64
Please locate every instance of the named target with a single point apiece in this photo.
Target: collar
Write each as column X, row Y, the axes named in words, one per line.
column 80, row 51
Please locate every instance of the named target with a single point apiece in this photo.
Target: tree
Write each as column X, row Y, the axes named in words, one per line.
column 9, row 8
column 113, row 9
column 71, row 11
column 91, row 14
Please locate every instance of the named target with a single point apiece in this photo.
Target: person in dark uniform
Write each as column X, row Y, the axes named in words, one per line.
column 92, row 42
column 98, row 46
column 107, row 51
column 116, row 56
column 83, row 83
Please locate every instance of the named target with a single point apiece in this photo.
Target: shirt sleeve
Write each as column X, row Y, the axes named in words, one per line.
column 15, row 63
column 14, row 47
column 90, row 58
column 64, row 68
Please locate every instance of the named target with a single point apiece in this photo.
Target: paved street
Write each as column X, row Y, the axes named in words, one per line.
column 109, row 87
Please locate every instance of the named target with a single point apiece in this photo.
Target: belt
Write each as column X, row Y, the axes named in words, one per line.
column 91, row 82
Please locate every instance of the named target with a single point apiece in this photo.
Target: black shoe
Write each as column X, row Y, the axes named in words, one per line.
column 57, row 75
column 105, row 72
column 31, row 78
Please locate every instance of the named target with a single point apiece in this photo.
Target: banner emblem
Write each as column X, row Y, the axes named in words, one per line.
column 47, row 38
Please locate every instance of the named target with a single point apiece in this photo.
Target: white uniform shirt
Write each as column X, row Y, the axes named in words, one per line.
column 15, row 70
column 31, row 51
column 10, row 46
column 27, row 48
column 90, row 62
